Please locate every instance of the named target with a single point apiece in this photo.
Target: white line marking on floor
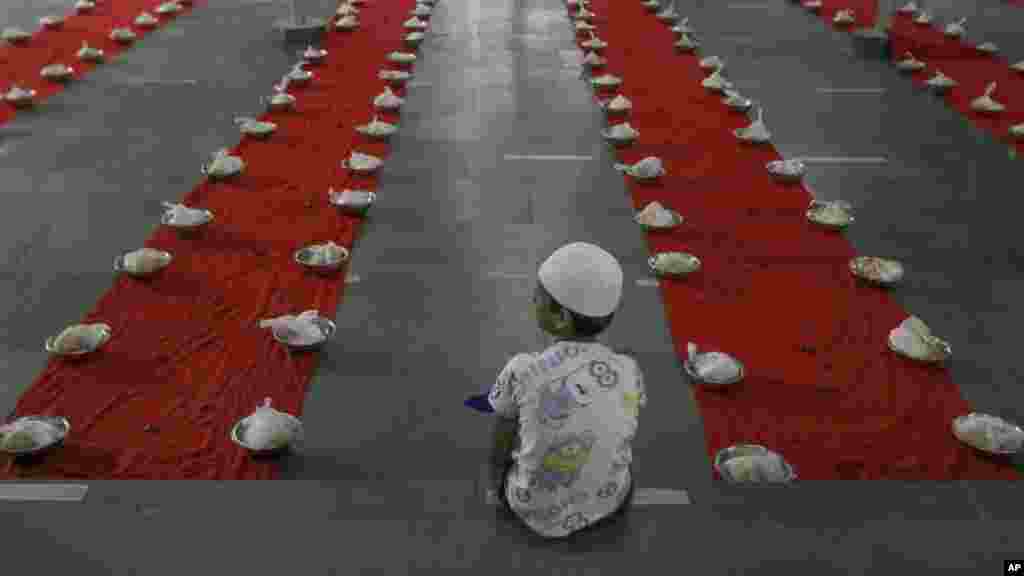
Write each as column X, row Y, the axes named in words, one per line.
column 43, row 492
column 139, row 81
column 660, row 497
column 546, row 157
column 749, row 6
column 844, row 160
column 647, row 282
column 851, row 90
column 420, row 84
column 742, row 40
column 508, row 275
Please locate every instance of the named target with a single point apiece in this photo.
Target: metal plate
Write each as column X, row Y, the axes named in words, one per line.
column 362, row 170
column 281, row 105
column 258, row 129
column 934, row 359
column 236, row 167
column 738, row 104
column 741, row 134
column 606, row 82
column 813, row 215
column 303, row 256
column 858, row 267
column 327, row 329
column 389, row 131
column 119, row 265
column 165, row 219
column 786, row 171
column 652, row 262
column 677, row 221
column 691, row 370
column 990, row 421
column 238, row 437
column 726, row 454
column 619, row 140
column 105, row 333
column 357, row 208
column 60, row 425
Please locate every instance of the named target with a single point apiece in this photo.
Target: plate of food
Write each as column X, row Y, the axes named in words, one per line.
column 753, row 464
column 33, row 434
column 656, row 218
column 617, row 105
column 648, row 169
column 988, row 433
column 324, row 258
column 673, row 264
column 835, row 214
column 223, row 165
column 362, row 163
column 314, row 55
column 122, row 35
column 714, row 369
column 267, row 431
column 620, row 134
column 880, row 271
column 78, row 339
column 142, row 262
column 20, row 97
column 255, row 128
column 353, row 202
column 787, row 170
column 306, row 331
column 377, row 129
column 184, row 218
column 913, row 339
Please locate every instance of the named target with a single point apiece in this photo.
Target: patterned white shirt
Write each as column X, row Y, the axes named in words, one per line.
column 578, row 405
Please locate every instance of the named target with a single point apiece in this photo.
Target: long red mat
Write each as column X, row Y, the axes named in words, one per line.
column 962, row 62
column 20, row 64
column 186, row 356
column 822, row 387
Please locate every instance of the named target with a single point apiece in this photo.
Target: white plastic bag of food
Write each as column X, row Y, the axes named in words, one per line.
column 268, row 429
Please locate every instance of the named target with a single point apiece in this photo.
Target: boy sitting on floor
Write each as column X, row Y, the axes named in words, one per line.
column 562, row 451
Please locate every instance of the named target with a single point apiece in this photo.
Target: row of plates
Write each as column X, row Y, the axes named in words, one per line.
column 356, row 204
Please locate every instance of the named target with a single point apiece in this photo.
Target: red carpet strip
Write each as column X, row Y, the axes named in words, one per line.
column 186, row 357
column 956, row 59
column 822, row 388
column 20, row 64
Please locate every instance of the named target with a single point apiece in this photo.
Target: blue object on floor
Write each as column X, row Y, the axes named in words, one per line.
column 479, row 403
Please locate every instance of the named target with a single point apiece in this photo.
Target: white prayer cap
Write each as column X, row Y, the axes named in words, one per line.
column 583, row 278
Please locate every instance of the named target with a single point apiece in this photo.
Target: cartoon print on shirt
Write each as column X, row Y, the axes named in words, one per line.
column 544, row 516
column 608, row 490
column 523, row 495
column 564, row 461
column 574, row 522
column 631, row 400
column 623, row 455
column 557, row 402
column 604, row 374
column 551, row 516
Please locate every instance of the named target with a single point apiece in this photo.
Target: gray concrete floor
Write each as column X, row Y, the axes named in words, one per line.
column 390, row 485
